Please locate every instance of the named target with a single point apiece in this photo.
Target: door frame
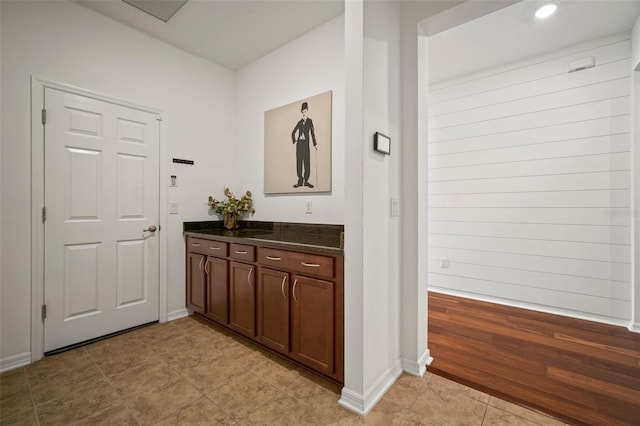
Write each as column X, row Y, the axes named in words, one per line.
column 38, row 86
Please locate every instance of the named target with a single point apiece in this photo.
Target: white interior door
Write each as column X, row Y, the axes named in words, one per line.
column 101, row 271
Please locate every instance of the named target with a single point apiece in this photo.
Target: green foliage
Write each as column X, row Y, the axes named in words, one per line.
column 232, row 205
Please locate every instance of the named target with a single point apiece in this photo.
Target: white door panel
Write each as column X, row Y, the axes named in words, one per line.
column 101, row 193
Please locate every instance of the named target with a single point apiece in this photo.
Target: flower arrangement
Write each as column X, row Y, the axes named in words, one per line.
column 232, row 208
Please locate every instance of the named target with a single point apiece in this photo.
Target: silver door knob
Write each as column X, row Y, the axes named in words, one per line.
column 152, row 228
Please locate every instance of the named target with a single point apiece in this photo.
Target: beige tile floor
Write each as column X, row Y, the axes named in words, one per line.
column 189, row 372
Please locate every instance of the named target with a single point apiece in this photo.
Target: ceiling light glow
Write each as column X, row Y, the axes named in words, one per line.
column 546, row 11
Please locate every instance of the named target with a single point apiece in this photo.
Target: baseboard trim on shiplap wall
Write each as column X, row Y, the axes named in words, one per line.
column 531, row 306
column 174, row 315
column 362, row 404
column 15, row 361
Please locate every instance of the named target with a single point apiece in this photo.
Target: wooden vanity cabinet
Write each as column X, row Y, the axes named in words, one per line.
column 208, row 278
column 272, row 311
column 313, row 332
column 196, row 282
column 303, row 319
column 290, row 301
column 242, row 299
column 217, row 271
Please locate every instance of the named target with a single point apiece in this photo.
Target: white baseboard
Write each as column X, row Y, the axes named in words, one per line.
column 174, row 315
column 533, row 307
column 15, row 361
column 634, row 327
column 419, row 367
column 362, row 404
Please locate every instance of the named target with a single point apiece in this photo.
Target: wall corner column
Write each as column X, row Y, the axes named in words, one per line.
column 414, row 191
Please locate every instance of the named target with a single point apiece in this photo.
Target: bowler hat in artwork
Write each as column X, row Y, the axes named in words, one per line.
column 304, row 106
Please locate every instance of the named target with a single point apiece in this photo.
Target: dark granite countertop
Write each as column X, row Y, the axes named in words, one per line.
column 315, row 238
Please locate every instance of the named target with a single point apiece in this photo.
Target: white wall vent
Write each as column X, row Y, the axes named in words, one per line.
column 582, row 64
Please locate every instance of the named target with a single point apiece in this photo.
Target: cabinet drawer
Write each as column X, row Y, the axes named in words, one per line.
column 209, row 247
column 243, row 252
column 312, row 264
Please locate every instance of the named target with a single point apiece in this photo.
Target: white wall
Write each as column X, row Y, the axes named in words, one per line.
column 529, row 182
column 635, row 151
column 381, row 183
column 68, row 43
column 311, row 64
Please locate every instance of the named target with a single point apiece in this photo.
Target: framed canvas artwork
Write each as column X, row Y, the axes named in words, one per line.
column 297, row 146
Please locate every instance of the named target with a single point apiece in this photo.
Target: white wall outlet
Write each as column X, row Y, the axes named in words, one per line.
column 308, row 206
column 173, row 207
column 444, row 262
column 173, row 181
column 395, row 207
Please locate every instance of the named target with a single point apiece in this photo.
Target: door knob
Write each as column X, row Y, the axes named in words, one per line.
column 152, row 228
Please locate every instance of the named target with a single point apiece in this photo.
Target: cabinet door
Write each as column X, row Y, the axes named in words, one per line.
column 272, row 300
column 242, row 299
column 196, row 299
column 312, row 323
column 217, row 289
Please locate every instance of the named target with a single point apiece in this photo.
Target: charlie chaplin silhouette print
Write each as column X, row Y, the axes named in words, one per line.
column 300, row 138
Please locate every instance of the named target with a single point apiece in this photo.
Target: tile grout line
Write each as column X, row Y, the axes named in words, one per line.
column 33, row 402
column 486, row 408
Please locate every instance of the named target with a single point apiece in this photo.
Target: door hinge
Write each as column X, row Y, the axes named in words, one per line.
column 44, row 214
column 44, row 312
column 44, row 116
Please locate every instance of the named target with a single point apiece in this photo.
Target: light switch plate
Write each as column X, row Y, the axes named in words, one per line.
column 173, row 207
column 395, row 207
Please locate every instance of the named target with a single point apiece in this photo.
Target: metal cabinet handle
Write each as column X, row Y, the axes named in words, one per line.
column 206, row 266
column 195, row 245
column 311, row 265
column 273, row 258
column 214, row 248
column 284, row 279
column 249, row 277
column 200, row 266
column 293, row 290
column 240, row 252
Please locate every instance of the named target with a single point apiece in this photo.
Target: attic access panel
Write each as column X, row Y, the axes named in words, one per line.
column 161, row 9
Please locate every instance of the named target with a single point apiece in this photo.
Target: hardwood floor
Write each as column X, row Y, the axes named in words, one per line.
column 579, row 371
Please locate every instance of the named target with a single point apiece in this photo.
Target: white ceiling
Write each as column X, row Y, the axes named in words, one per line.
column 234, row 33
column 227, row 32
column 513, row 33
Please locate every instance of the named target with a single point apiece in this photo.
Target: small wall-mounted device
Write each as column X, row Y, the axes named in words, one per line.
column 382, row 143
column 582, row 64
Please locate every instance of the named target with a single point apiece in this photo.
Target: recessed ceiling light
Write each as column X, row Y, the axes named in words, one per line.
column 546, row 11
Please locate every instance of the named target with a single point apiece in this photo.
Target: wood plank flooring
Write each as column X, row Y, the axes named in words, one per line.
column 579, row 371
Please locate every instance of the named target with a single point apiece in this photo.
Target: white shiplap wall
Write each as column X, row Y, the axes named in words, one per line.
column 529, row 183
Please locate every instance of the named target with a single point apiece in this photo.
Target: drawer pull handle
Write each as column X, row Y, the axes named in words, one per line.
column 249, row 277
column 293, row 290
column 273, row 258
column 241, row 252
column 311, row 265
column 206, row 266
column 214, row 248
column 195, row 245
column 200, row 265
column 284, row 279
